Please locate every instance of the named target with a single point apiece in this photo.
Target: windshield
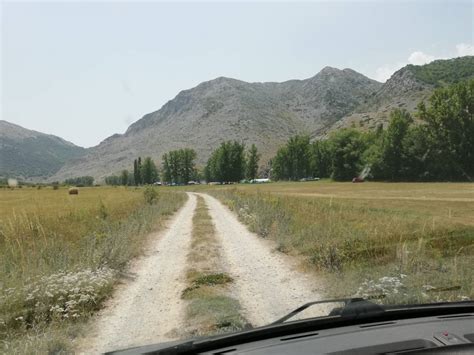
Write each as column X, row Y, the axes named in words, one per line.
column 187, row 169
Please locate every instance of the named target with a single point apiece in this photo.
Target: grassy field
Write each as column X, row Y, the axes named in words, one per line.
column 405, row 242
column 61, row 254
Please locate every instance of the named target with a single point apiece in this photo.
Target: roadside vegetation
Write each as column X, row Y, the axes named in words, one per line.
column 61, row 255
column 211, row 309
column 378, row 240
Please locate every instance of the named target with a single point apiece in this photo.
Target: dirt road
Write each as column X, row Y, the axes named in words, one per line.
column 148, row 309
column 267, row 283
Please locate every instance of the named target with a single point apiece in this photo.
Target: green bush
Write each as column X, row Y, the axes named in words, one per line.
column 150, row 195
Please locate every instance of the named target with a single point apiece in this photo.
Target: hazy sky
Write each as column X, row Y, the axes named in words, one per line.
column 86, row 70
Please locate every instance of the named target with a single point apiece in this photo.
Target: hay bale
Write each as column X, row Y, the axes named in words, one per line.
column 73, row 191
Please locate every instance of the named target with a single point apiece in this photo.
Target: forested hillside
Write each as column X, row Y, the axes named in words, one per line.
column 29, row 154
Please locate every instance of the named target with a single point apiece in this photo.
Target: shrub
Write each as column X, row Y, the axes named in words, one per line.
column 103, row 214
column 150, row 195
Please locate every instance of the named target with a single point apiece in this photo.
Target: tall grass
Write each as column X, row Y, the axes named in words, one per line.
column 60, row 255
column 359, row 247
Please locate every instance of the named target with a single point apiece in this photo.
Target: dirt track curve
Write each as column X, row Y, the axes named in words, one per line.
column 148, row 309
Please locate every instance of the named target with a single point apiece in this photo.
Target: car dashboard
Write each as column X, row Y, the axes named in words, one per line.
column 428, row 334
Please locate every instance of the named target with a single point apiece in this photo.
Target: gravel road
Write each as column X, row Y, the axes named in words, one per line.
column 267, row 283
column 148, row 308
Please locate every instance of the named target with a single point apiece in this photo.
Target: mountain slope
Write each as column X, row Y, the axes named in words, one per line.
column 29, row 154
column 265, row 114
column 406, row 88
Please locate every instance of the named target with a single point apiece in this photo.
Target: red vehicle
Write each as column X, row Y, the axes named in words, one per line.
column 357, row 179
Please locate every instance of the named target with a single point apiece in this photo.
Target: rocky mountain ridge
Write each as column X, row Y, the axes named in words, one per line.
column 265, row 114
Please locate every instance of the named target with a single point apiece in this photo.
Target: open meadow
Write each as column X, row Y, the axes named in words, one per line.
column 370, row 239
column 61, row 254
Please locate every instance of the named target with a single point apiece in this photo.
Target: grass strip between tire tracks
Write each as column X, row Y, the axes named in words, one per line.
column 210, row 309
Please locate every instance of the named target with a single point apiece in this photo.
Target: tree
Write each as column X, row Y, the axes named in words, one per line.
column 280, row 166
column 188, row 169
column 419, row 161
column 113, row 180
column 175, row 166
column 179, row 166
column 138, row 178
column 320, row 164
column 299, row 157
column 393, row 150
column 292, row 162
column 252, row 162
column 166, row 168
column 347, row 147
column 237, row 162
column 227, row 163
column 149, row 173
column 136, row 172
column 124, row 178
column 210, row 170
column 450, row 128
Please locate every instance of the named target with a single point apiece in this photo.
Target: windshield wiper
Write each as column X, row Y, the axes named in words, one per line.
column 353, row 307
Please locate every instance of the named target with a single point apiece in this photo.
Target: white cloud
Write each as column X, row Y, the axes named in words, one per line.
column 420, row 58
column 464, row 49
column 384, row 72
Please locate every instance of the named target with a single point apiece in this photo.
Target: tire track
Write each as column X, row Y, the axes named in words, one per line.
column 149, row 308
column 267, row 283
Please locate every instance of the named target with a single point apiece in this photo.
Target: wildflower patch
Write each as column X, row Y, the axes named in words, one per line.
column 64, row 295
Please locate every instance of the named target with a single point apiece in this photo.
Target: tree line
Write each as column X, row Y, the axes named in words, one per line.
column 80, row 181
column 179, row 166
column 437, row 144
column 228, row 163
column 144, row 173
column 231, row 163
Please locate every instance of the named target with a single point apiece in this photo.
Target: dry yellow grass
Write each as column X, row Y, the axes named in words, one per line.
column 61, row 254
column 352, row 232
column 58, row 203
column 445, row 202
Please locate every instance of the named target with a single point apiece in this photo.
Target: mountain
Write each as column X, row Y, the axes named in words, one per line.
column 265, row 114
column 406, row 88
column 221, row 109
column 28, row 154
